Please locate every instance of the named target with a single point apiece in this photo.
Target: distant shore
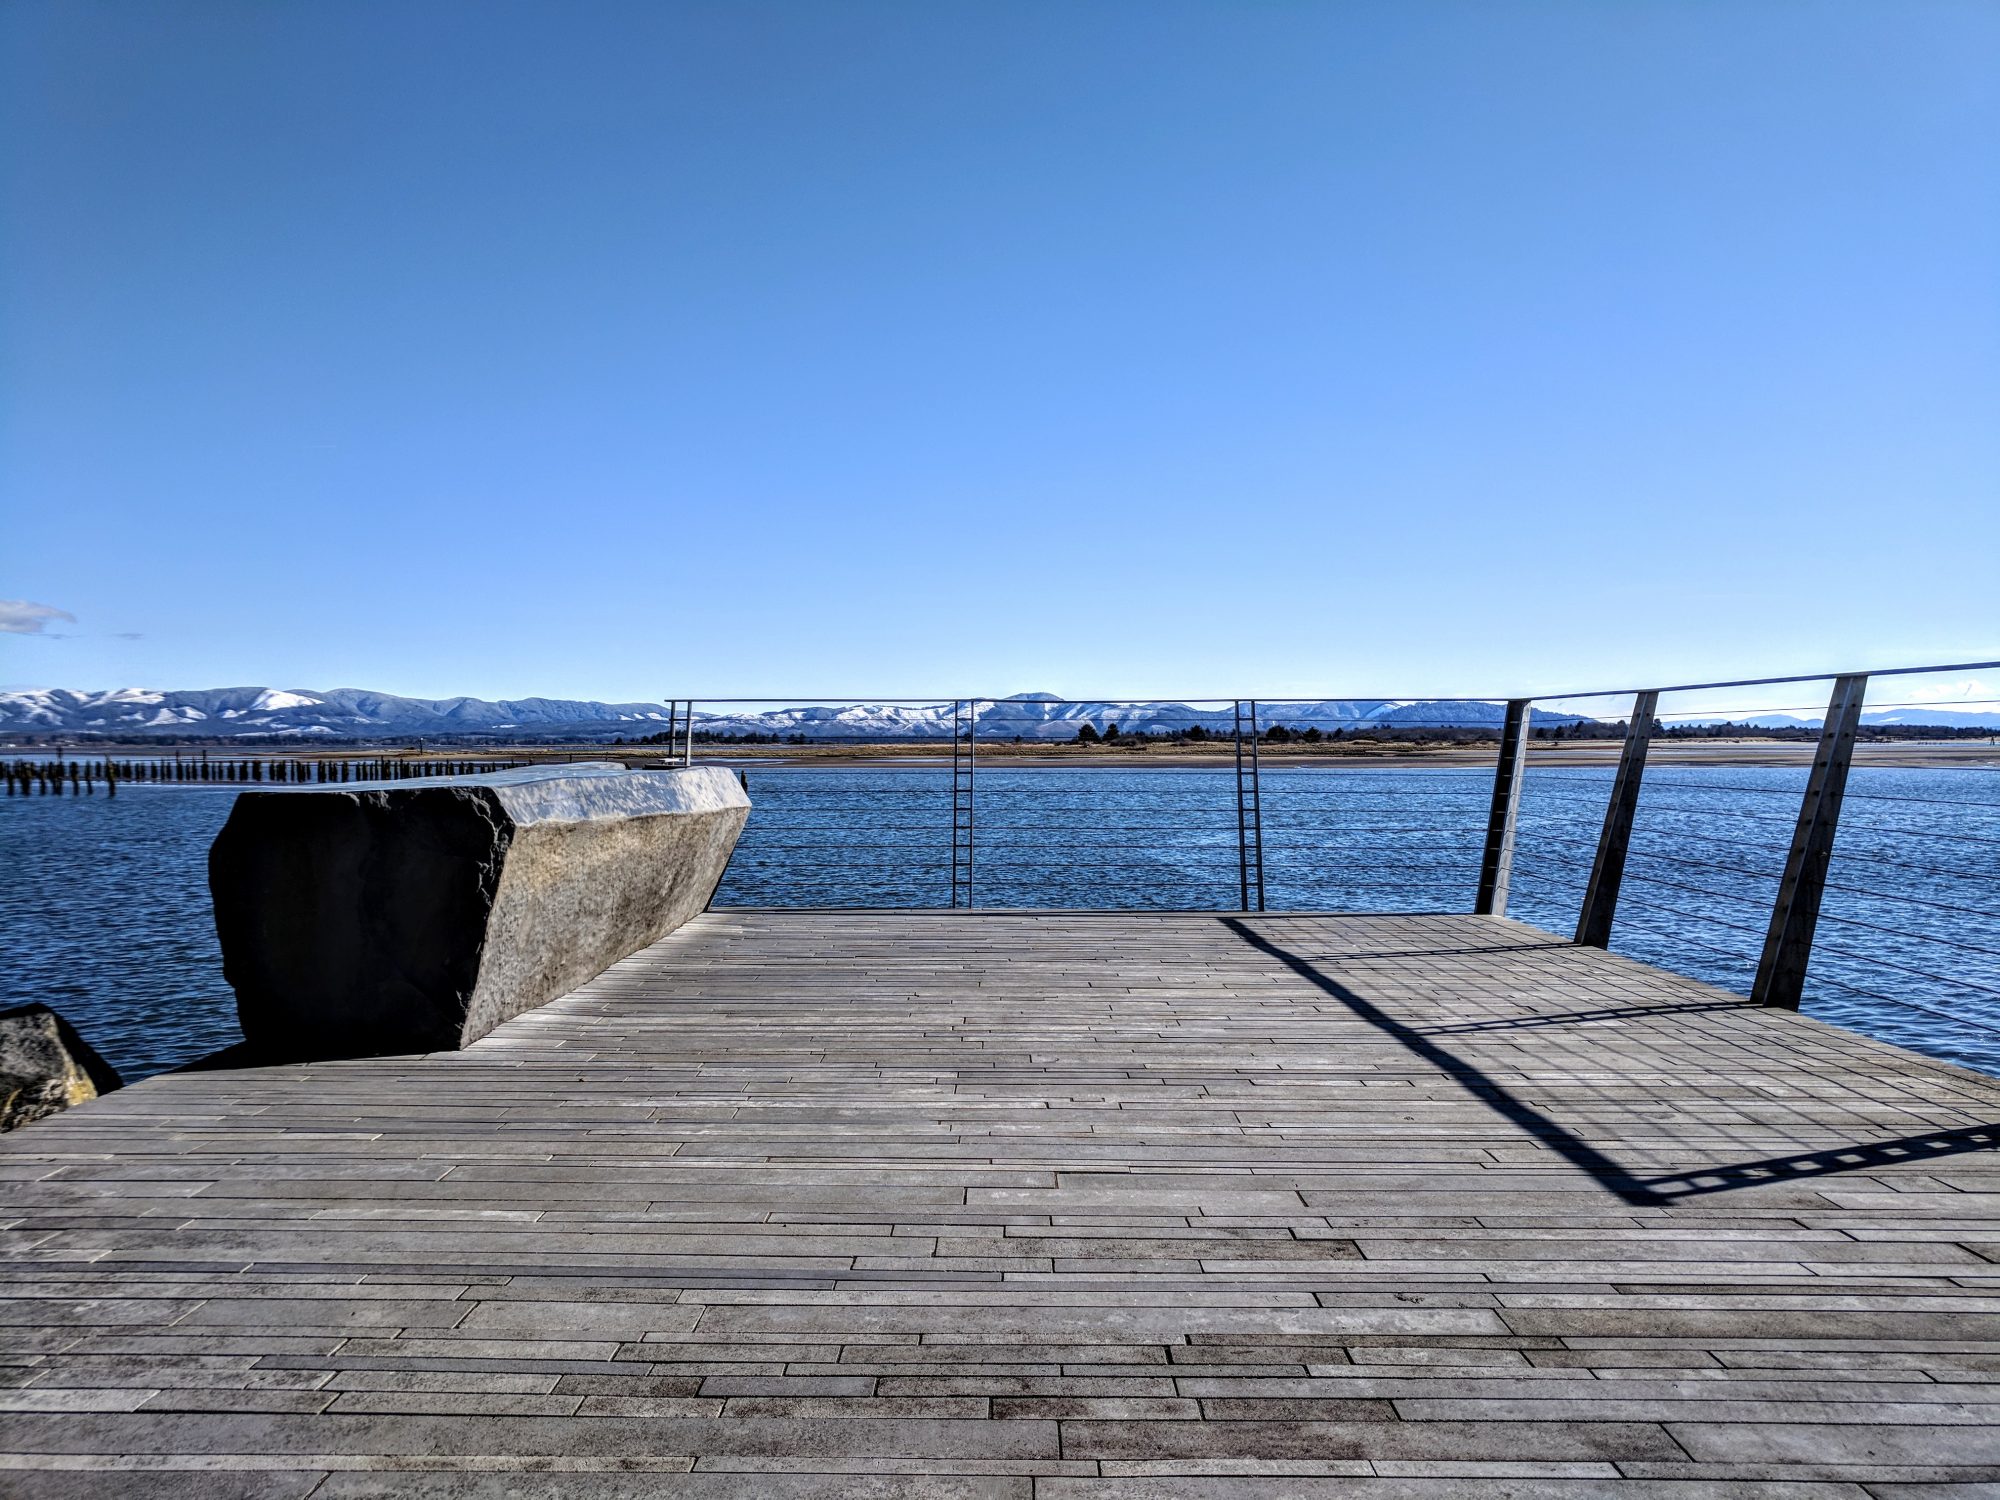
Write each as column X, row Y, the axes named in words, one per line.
column 1345, row 753
column 1910, row 754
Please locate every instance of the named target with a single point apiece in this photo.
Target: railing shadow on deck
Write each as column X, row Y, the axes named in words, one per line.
column 1653, row 1192
column 1584, row 1017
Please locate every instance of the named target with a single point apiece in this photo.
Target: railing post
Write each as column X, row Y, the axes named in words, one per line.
column 1781, row 971
column 1496, row 865
column 1607, row 871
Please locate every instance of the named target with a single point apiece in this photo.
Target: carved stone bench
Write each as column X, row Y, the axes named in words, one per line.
column 418, row 915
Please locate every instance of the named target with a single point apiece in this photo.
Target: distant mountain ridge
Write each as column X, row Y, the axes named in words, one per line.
column 355, row 713
column 1043, row 716
column 359, row 714
column 338, row 713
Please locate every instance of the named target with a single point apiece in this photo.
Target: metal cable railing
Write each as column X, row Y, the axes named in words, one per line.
column 1141, row 837
column 1816, row 879
column 1901, row 913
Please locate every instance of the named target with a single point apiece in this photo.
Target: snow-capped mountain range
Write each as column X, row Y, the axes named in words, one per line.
column 1043, row 716
column 340, row 713
column 352, row 713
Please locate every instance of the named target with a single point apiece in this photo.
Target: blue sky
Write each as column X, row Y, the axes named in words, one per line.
column 628, row 351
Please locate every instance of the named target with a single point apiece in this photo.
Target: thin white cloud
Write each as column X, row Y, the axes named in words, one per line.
column 20, row 617
column 1970, row 689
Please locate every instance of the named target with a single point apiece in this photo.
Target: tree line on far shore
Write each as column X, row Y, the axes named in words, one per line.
column 1281, row 734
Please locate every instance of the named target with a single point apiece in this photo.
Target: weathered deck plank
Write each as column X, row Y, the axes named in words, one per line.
column 1011, row 1205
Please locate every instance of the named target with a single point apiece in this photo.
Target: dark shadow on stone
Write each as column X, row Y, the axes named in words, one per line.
column 355, row 922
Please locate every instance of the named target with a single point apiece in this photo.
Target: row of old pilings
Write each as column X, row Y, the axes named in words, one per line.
column 81, row 777
column 29, row 776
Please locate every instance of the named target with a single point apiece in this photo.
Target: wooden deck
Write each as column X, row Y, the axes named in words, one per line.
column 1026, row 1205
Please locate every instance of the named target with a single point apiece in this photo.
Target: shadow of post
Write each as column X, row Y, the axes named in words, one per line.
column 1607, row 1173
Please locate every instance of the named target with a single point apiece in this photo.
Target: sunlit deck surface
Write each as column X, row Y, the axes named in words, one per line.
column 1013, row 1205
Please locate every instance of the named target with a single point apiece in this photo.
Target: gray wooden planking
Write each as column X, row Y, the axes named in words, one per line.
column 1030, row 1204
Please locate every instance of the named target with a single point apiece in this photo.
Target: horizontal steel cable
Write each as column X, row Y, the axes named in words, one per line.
column 1905, row 932
column 1925, row 801
column 1638, row 853
column 1887, row 963
column 1859, row 890
column 1683, row 886
column 1820, row 948
column 1921, row 833
column 1869, row 857
column 1703, row 919
column 1924, row 833
column 1655, row 783
column 1675, row 937
column 1929, row 1010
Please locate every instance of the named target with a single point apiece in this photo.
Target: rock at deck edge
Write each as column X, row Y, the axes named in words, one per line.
column 418, row 915
column 45, row 1066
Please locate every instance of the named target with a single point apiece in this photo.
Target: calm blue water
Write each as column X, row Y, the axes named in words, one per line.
column 104, row 903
